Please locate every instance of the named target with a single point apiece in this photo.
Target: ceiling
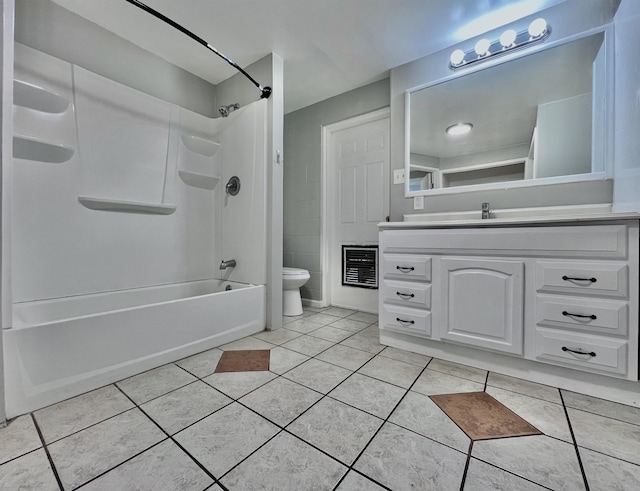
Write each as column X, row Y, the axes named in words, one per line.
column 328, row 46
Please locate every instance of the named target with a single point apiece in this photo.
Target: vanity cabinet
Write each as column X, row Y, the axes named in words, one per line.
column 562, row 293
column 483, row 303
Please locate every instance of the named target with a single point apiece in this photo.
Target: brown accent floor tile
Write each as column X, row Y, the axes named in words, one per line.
column 244, row 361
column 482, row 417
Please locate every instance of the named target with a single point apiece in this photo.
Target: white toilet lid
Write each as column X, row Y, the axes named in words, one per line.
column 292, row 271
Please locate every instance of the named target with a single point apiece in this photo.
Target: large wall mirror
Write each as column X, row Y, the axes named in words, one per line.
column 539, row 116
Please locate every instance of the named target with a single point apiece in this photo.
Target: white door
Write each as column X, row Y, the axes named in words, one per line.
column 357, row 198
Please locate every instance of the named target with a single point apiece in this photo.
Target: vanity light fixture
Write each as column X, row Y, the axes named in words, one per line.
column 459, row 129
column 484, row 49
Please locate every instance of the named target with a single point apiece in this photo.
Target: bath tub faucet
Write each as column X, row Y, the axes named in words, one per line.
column 486, row 211
column 231, row 263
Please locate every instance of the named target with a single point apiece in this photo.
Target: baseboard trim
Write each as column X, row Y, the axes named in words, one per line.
column 313, row 303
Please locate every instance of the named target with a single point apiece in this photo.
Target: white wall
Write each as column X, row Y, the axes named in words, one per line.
column 626, row 196
column 269, row 72
column 564, row 137
column 6, row 149
column 568, row 18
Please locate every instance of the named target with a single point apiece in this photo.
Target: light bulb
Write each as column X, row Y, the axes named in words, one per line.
column 457, row 57
column 537, row 28
column 508, row 38
column 482, row 47
column 459, row 129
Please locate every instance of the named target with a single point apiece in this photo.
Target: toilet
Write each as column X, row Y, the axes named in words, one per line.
column 292, row 280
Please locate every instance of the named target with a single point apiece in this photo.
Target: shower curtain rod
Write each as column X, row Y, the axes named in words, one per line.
column 265, row 92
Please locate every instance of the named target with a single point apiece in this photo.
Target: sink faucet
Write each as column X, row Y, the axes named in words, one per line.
column 486, row 211
column 231, row 263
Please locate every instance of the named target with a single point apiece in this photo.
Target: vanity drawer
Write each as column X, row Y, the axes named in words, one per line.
column 406, row 267
column 407, row 321
column 609, row 317
column 407, row 293
column 601, row 354
column 587, row 277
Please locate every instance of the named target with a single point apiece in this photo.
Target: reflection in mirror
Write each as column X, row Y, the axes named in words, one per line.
column 538, row 116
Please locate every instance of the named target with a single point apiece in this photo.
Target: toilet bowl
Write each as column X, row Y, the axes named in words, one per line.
column 292, row 280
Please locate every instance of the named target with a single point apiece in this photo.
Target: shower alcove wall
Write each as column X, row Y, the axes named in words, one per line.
column 119, row 222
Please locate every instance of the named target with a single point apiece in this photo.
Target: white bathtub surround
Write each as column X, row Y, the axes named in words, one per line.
column 141, row 200
column 119, row 222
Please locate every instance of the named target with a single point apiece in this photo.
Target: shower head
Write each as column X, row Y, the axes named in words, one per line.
column 226, row 110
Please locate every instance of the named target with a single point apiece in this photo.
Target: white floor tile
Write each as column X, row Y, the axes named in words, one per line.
column 75, row 414
column 285, row 463
column 344, row 437
column 149, row 385
column 19, row 437
column 226, row 437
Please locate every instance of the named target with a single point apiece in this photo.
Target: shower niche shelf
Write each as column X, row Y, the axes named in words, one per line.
column 26, row 148
column 198, row 180
column 196, row 162
column 199, row 145
column 38, row 98
column 106, row 204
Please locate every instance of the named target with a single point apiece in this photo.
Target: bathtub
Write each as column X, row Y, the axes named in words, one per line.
column 60, row 348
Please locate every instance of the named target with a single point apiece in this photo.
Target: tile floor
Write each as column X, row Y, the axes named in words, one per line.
column 336, row 411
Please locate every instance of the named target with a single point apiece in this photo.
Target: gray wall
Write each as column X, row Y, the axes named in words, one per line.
column 567, row 19
column 47, row 27
column 302, row 174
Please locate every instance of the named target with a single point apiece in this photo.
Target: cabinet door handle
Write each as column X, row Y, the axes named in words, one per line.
column 578, row 351
column 570, row 278
column 405, row 269
column 402, row 321
column 569, row 314
column 405, row 295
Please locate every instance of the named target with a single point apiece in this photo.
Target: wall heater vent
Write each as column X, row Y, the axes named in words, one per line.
column 360, row 266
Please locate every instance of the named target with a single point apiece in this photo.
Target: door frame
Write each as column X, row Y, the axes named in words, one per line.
column 327, row 134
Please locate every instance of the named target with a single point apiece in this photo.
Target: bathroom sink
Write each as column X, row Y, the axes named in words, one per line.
column 510, row 214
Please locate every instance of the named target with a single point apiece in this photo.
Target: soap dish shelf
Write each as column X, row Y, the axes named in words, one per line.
column 106, row 204
column 198, row 180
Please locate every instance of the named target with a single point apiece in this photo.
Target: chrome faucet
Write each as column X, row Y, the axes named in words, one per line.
column 486, row 211
column 231, row 263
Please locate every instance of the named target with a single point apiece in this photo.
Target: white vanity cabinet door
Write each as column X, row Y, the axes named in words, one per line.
column 483, row 303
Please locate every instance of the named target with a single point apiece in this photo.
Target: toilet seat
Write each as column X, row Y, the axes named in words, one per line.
column 294, row 272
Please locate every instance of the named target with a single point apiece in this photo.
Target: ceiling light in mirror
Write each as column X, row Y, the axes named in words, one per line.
column 459, row 129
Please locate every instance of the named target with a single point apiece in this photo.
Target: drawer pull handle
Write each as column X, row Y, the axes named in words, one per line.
column 405, row 269
column 578, row 352
column 405, row 295
column 569, row 314
column 402, row 321
column 569, row 278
